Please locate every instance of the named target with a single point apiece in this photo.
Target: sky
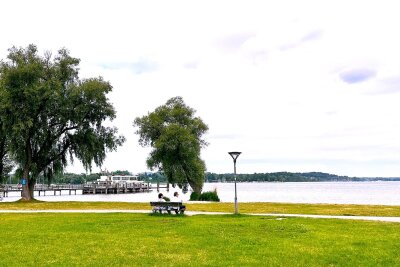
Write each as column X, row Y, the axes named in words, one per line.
column 295, row 86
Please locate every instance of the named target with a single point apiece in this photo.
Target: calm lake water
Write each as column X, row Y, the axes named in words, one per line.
column 382, row 193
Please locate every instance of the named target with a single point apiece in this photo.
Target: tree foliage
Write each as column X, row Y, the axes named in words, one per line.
column 153, row 177
column 72, row 178
column 51, row 116
column 175, row 135
column 6, row 163
column 121, row 172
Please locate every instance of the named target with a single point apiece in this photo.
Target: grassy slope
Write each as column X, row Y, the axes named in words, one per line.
column 146, row 240
column 278, row 208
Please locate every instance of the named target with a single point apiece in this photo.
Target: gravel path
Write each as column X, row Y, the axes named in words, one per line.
column 191, row 213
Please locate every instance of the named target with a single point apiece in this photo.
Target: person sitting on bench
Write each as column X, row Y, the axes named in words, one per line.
column 176, row 198
column 161, row 198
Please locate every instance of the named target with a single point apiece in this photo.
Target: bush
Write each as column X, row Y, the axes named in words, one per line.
column 205, row 196
column 209, row 196
column 194, row 196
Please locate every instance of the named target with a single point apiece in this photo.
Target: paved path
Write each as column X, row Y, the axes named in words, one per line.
column 191, row 213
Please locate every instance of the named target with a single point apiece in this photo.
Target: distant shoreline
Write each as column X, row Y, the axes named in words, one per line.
column 292, row 177
column 327, row 181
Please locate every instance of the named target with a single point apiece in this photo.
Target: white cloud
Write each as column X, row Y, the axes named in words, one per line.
column 268, row 77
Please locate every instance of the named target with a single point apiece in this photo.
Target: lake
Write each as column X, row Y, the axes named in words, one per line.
column 380, row 193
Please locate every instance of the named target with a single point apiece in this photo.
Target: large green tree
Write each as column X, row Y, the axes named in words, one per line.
column 6, row 163
column 51, row 116
column 175, row 136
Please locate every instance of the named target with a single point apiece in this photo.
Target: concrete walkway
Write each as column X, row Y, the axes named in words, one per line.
column 191, row 213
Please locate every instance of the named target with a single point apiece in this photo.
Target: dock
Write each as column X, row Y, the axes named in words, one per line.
column 89, row 188
column 42, row 189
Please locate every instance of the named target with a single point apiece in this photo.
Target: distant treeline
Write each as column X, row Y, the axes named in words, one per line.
column 289, row 177
column 270, row 177
column 72, row 178
column 65, row 178
column 154, row 177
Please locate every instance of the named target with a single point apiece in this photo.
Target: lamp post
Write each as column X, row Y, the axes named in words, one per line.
column 235, row 155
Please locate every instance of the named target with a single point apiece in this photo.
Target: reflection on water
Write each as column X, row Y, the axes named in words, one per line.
column 383, row 193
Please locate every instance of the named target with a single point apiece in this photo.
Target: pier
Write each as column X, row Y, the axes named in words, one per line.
column 89, row 188
column 42, row 189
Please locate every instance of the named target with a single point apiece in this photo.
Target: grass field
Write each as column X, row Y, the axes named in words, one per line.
column 278, row 208
column 157, row 240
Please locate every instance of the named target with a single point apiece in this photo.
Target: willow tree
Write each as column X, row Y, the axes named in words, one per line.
column 6, row 163
column 51, row 116
column 175, row 136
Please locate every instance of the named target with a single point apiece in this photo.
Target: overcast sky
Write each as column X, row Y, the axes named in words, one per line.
column 294, row 85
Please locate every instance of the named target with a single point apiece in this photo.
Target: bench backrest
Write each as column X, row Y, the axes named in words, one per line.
column 166, row 204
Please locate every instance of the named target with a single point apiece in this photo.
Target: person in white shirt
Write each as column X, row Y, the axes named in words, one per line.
column 176, row 198
column 161, row 198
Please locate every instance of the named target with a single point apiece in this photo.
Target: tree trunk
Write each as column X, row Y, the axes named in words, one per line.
column 196, row 187
column 28, row 182
column 27, row 188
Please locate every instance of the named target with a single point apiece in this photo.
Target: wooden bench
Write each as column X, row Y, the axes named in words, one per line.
column 178, row 207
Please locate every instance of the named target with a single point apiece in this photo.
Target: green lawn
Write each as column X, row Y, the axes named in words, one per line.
column 278, row 208
column 150, row 240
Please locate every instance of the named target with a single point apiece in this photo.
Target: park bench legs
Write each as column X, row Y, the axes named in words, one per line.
column 177, row 207
column 160, row 210
column 179, row 211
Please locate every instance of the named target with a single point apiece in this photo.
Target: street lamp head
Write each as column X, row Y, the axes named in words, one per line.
column 234, row 155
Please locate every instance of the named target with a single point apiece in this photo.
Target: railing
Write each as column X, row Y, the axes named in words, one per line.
column 88, row 188
column 18, row 187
